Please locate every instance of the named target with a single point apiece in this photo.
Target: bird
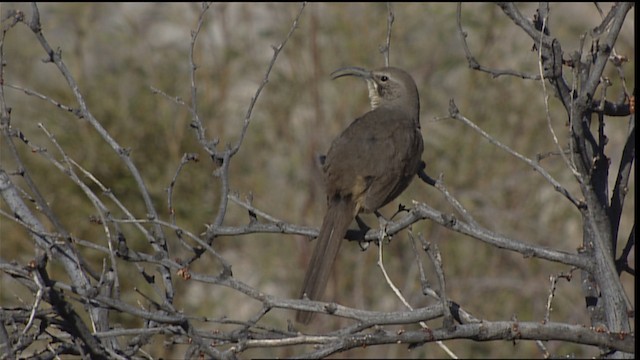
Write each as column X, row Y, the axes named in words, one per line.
column 367, row 166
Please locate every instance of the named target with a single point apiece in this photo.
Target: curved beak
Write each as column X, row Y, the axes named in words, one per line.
column 351, row 71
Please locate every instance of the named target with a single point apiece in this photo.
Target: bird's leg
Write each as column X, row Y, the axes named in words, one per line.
column 423, row 175
column 362, row 225
column 364, row 228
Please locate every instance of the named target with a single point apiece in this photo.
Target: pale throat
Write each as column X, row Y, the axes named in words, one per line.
column 374, row 97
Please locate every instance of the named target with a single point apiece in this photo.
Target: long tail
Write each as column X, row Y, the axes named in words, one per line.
column 340, row 213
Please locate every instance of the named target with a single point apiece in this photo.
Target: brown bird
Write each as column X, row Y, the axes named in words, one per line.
column 372, row 161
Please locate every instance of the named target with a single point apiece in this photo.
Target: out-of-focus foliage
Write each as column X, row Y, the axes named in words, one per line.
column 117, row 52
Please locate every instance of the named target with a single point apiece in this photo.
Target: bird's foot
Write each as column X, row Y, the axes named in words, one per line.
column 364, row 228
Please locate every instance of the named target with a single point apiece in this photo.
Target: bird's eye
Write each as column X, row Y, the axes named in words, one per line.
column 384, row 78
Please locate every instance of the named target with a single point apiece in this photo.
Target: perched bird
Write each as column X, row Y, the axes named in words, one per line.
column 368, row 165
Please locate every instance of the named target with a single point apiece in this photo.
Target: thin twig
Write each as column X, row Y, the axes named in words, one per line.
column 386, row 49
column 36, row 303
column 398, row 294
column 232, row 150
column 455, row 113
column 276, row 51
column 545, row 94
column 196, row 123
column 474, row 64
column 158, row 241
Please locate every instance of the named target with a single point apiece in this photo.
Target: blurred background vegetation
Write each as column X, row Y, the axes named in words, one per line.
column 117, row 52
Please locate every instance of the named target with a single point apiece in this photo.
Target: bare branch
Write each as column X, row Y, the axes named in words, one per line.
column 474, row 64
column 386, row 48
column 68, row 295
column 455, row 113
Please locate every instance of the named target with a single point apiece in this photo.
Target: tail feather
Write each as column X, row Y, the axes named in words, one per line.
column 340, row 213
